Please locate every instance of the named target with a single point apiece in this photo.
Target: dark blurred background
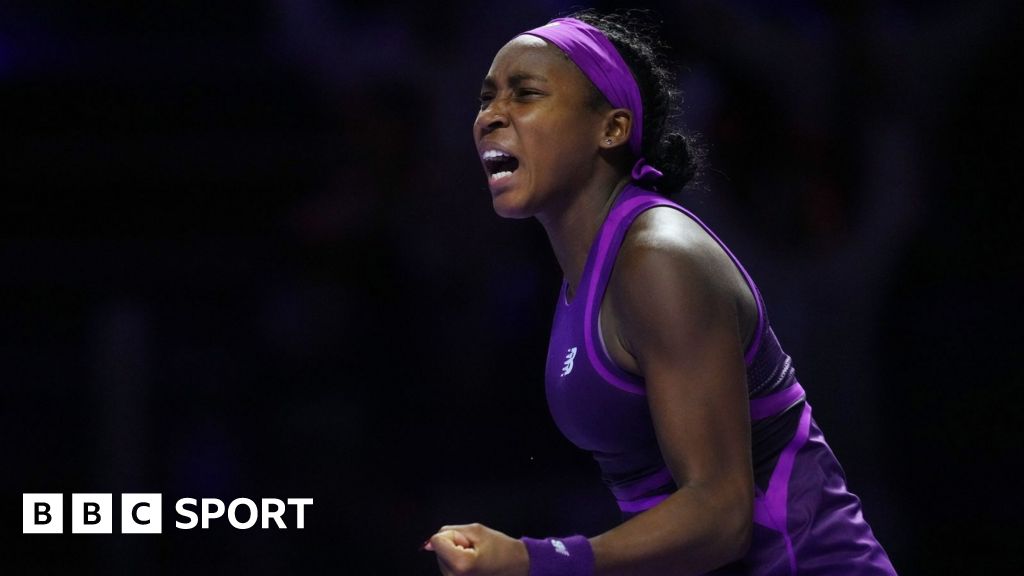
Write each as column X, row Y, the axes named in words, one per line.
column 246, row 250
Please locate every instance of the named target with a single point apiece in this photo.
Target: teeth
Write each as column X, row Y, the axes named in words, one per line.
column 500, row 175
column 493, row 154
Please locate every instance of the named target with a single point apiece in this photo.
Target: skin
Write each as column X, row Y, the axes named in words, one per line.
column 677, row 312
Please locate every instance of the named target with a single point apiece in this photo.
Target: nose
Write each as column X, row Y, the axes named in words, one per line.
column 492, row 118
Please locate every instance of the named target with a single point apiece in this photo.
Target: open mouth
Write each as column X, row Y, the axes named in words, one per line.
column 499, row 164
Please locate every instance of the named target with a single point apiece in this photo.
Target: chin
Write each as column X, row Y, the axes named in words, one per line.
column 506, row 207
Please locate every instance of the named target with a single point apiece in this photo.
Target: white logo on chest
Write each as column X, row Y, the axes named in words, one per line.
column 569, row 357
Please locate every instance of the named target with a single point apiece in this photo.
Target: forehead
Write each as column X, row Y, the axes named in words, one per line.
column 531, row 56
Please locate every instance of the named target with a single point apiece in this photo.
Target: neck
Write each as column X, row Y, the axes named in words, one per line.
column 572, row 228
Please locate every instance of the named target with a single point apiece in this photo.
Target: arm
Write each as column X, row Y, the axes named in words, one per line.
column 674, row 305
column 675, row 300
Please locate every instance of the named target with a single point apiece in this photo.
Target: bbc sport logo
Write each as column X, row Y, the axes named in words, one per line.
column 92, row 513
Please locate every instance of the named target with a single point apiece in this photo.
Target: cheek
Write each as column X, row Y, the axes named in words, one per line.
column 559, row 136
column 564, row 143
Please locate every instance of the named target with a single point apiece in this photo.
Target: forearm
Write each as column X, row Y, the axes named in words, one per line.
column 693, row 531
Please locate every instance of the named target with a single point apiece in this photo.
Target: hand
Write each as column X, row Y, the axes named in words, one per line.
column 476, row 550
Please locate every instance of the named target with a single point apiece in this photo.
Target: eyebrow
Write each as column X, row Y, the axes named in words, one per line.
column 515, row 79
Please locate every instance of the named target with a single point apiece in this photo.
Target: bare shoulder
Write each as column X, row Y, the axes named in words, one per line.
column 672, row 276
column 666, row 245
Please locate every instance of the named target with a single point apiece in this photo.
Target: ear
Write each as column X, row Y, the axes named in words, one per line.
column 618, row 125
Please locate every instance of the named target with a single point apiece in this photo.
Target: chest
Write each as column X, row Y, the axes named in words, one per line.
column 591, row 411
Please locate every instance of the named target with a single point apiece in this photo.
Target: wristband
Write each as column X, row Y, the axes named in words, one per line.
column 570, row 556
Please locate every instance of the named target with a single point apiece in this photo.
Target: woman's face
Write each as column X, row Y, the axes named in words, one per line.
column 538, row 131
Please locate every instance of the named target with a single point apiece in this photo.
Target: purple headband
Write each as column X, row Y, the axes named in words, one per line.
column 599, row 61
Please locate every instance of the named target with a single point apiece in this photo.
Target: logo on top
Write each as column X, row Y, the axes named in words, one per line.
column 570, row 356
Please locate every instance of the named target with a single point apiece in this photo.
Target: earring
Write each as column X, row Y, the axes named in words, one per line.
column 607, row 140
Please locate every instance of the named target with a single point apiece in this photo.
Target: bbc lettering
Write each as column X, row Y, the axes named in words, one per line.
column 141, row 513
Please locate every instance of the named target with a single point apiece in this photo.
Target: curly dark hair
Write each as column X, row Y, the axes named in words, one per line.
column 634, row 34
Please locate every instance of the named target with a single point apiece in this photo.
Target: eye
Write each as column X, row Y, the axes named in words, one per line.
column 485, row 99
column 528, row 93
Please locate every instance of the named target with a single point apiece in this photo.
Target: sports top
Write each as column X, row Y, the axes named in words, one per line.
column 803, row 514
column 603, row 409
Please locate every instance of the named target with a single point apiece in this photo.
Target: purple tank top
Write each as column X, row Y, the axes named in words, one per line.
column 603, row 409
column 805, row 520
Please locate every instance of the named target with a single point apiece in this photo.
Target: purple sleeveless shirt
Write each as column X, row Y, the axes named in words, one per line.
column 604, row 410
